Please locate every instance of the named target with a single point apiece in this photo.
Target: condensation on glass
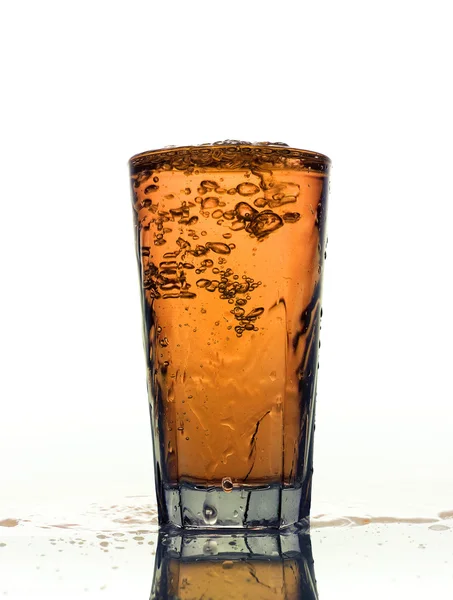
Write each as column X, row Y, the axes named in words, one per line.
column 230, row 241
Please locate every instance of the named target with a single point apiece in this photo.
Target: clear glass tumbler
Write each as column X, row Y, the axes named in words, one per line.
column 230, row 241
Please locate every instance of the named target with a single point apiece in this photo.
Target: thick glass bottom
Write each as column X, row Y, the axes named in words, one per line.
column 270, row 507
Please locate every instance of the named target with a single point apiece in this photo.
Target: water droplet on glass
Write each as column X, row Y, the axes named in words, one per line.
column 210, row 548
column 209, row 515
column 272, row 375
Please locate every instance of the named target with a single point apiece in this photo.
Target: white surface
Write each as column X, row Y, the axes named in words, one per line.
column 104, row 550
column 85, row 85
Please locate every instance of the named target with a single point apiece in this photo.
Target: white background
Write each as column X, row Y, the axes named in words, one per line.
column 87, row 84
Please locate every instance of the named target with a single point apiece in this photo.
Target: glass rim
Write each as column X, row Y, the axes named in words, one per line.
column 220, row 154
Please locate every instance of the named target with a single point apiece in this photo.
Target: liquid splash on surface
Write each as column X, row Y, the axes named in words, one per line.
column 141, row 517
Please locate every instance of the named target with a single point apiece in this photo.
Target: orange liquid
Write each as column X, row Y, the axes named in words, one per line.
column 230, row 264
column 228, row 579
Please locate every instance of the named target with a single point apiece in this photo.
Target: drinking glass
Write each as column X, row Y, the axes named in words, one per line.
column 230, row 241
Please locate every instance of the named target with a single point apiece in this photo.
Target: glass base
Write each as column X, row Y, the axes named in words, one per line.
column 271, row 507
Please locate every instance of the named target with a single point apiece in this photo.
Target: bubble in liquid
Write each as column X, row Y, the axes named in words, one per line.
column 227, row 236
column 218, row 247
column 247, row 189
column 291, row 217
column 272, row 375
column 217, row 214
column 227, row 484
column 164, row 342
column 208, row 185
column 244, row 211
column 237, row 225
column 235, row 514
column 213, row 285
column 227, row 564
column 260, row 202
column 210, row 202
column 256, row 312
column 151, row 188
column 182, row 243
column 202, row 283
column 209, row 514
column 265, row 223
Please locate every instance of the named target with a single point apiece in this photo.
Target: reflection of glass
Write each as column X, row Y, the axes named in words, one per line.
column 230, row 245
column 223, row 566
